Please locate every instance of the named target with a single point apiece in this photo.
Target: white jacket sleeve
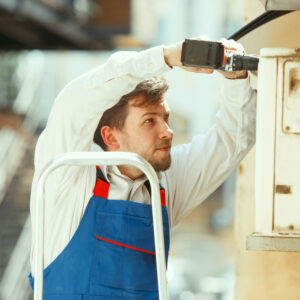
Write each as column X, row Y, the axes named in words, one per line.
column 198, row 168
column 80, row 105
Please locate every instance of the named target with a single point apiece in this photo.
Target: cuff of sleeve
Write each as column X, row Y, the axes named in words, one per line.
column 236, row 91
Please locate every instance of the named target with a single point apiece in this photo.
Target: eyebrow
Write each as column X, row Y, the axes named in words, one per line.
column 155, row 114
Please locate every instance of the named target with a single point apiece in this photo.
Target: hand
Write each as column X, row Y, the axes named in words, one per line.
column 172, row 56
column 231, row 44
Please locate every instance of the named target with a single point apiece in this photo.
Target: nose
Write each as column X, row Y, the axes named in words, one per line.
column 166, row 133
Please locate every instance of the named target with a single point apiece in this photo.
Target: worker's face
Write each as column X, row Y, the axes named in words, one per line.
column 147, row 132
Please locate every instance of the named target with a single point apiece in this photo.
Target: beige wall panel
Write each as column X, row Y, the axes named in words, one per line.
column 253, row 8
column 260, row 275
column 281, row 32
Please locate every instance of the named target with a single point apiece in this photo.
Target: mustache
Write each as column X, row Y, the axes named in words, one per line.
column 165, row 144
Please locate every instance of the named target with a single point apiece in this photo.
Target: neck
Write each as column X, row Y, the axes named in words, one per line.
column 131, row 172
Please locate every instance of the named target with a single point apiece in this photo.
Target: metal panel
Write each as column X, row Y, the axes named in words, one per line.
column 273, row 242
column 278, row 142
column 281, row 4
column 265, row 136
column 287, row 159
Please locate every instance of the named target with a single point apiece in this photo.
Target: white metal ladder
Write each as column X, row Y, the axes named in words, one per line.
column 102, row 158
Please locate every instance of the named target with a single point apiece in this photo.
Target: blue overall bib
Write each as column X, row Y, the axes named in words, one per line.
column 111, row 255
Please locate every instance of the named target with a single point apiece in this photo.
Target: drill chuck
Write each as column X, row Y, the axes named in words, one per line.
column 244, row 62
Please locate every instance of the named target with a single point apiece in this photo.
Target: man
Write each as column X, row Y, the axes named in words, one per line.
column 98, row 227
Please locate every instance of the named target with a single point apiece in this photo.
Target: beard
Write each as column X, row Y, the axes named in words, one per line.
column 160, row 165
column 158, row 162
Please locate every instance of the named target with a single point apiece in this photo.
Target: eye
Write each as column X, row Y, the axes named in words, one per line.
column 166, row 118
column 150, row 120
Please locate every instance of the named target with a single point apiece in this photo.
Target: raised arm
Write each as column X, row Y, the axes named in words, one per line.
column 79, row 106
column 198, row 168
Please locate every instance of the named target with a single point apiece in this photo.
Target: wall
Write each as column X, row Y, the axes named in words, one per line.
column 260, row 275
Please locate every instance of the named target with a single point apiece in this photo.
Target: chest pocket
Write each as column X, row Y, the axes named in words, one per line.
column 124, row 252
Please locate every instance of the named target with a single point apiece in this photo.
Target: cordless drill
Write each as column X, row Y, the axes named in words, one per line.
column 214, row 55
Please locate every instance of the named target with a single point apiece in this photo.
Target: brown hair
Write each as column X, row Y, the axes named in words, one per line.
column 152, row 91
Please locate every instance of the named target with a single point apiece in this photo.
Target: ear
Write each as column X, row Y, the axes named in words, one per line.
column 109, row 138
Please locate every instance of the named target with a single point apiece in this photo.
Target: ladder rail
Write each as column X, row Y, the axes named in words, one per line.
column 101, row 158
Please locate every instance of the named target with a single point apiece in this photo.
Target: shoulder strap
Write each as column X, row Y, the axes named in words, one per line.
column 101, row 188
column 162, row 192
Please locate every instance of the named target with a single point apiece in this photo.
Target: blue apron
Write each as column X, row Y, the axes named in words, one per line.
column 112, row 253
